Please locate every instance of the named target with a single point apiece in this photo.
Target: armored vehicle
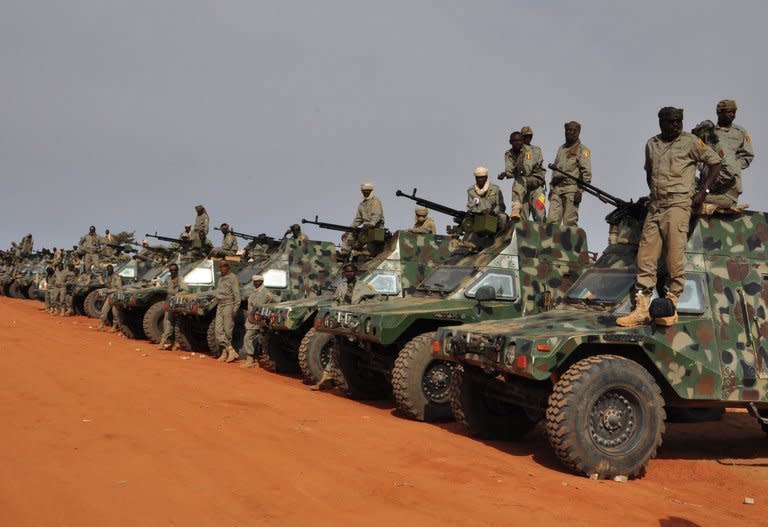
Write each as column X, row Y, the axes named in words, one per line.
column 88, row 297
column 603, row 389
column 525, row 269
column 402, row 263
column 295, row 269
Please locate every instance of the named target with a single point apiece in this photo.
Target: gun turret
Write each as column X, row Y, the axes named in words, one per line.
column 124, row 247
column 457, row 215
column 258, row 238
column 623, row 208
column 330, row 226
column 364, row 235
column 179, row 241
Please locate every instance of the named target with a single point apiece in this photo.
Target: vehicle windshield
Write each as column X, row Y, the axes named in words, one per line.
column 203, row 274
column 445, row 279
column 384, row 282
column 128, row 269
column 600, row 286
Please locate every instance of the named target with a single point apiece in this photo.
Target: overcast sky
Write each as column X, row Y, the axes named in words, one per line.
column 127, row 114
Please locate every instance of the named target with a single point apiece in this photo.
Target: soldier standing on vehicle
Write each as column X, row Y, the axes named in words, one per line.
column 370, row 215
column 186, row 234
column 734, row 146
column 90, row 245
column 573, row 158
column 201, row 224
column 423, row 224
column 670, row 167
column 260, row 296
column 524, row 167
column 228, row 295
column 106, row 241
column 538, row 205
column 349, row 292
column 295, row 232
column 228, row 244
column 113, row 283
column 27, row 244
column 172, row 287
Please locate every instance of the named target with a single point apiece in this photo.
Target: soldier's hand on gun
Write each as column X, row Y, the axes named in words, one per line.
column 502, row 175
column 699, row 198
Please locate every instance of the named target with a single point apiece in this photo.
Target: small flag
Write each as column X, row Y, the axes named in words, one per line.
column 540, row 201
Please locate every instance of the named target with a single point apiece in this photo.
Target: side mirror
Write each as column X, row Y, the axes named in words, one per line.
column 485, row 293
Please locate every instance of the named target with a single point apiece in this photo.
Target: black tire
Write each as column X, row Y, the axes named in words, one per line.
column 486, row 417
column 191, row 337
column 93, row 304
column 282, row 356
column 694, row 415
column 131, row 324
column 14, row 290
column 210, row 338
column 420, row 384
column 314, row 354
column 356, row 381
column 31, row 291
column 591, row 392
column 152, row 322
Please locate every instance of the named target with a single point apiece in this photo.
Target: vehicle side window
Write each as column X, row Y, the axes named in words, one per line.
column 385, row 283
column 503, row 283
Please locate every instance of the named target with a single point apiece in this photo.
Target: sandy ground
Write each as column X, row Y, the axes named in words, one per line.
column 100, row 430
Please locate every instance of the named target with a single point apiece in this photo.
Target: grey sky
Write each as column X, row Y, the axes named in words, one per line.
column 127, row 114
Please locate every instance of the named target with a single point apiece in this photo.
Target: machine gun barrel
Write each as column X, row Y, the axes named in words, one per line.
column 250, row 237
column 599, row 193
column 458, row 215
column 329, row 226
column 169, row 239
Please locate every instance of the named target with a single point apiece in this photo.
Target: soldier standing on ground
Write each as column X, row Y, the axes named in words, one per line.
column 573, row 158
column 228, row 295
column 200, row 230
column 524, row 167
column 734, row 146
column 349, row 292
column 670, row 167
column 172, row 287
column 260, row 296
column 228, row 244
column 90, row 244
column 370, row 215
column 113, row 283
column 423, row 224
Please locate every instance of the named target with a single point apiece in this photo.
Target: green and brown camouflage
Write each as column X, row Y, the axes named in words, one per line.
column 528, row 266
column 715, row 355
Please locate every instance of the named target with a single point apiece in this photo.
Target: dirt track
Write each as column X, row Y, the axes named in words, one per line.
column 100, row 430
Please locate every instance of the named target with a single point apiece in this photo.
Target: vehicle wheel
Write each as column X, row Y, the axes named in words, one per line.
column 606, row 417
column 314, row 354
column 421, row 384
column 32, row 291
column 93, row 304
column 485, row 417
column 694, row 415
column 131, row 325
column 152, row 322
column 357, row 381
column 14, row 291
column 190, row 337
column 282, row 356
column 210, row 338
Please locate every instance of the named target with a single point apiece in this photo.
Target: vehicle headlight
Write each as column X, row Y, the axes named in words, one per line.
column 367, row 326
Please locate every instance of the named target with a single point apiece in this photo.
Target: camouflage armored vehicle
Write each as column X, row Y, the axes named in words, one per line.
column 403, row 262
column 88, row 297
column 295, row 270
column 526, row 268
column 603, row 389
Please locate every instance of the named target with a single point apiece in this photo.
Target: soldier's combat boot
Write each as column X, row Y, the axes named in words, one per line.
column 639, row 316
column 671, row 319
column 223, row 355
column 100, row 326
column 175, row 347
column 114, row 328
column 516, row 210
column 249, row 363
column 325, row 382
column 231, row 354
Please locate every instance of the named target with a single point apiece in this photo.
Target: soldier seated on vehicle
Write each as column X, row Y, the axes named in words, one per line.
column 423, row 224
column 484, row 199
column 228, row 245
column 186, row 234
column 370, row 215
column 295, row 232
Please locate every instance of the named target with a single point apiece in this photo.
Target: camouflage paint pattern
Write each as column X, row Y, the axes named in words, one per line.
column 717, row 351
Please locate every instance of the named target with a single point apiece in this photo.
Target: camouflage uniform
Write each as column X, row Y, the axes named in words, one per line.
column 62, row 298
column 228, row 295
column 106, row 250
column 735, row 149
column 201, row 225
column 173, row 286
column 369, row 212
column 564, row 193
column 489, row 198
column 90, row 244
column 258, row 297
column 112, row 284
column 526, row 169
column 423, row 224
column 228, row 246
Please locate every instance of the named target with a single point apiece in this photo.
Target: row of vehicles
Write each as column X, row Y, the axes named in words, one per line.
column 513, row 329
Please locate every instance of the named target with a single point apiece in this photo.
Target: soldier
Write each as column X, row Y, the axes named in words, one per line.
column 57, row 256
column 670, row 168
column 200, row 230
column 63, row 280
column 228, row 244
column 484, row 197
column 90, row 245
column 734, row 146
column 56, row 284
column 423, row 224
column 295, row 232
column 564, row 194
column 113, row 282
column 539, row 205
column 260, row 296
column 370, row 215
column 524, row 165
column 186, row 234
column 349, row 292
column 107, row 240
column 49, row 288
column 146, row 253
column 172, row 287
column 27, row 244
column 228, row 295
